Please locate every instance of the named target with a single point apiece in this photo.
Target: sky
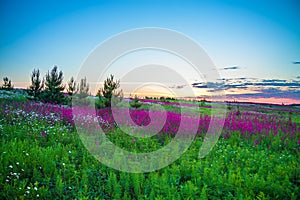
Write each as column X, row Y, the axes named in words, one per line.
column 254, row 44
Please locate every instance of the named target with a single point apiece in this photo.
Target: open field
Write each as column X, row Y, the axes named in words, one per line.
column 42, row 156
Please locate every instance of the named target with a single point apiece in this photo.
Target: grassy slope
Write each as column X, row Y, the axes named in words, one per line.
column 58, row 166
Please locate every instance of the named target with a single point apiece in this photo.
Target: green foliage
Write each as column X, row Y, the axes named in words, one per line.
column 136, row 103
column 83, row 89
column 54, row 87
column 108, row 93
column 7, row 84
column 72, row 89
column 56, row 165
column 37, row 84
column 202, row 102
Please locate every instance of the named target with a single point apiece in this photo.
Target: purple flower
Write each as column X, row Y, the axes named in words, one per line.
column 43, row 133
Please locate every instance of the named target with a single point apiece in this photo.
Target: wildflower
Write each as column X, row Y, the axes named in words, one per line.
column 43, row 133
column 28, row 187
column 63, row 164
column 10, row 166
column 69, row 151
column 35, row 188
column 17, row 163
column 27, row 154
column 37, row 195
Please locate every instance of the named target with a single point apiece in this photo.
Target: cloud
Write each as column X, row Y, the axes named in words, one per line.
column 269, row 93
column 211, row 85
column 230, row 68
column 254, row 88
column 178, row 86
column 273, row 80
column 296, row 62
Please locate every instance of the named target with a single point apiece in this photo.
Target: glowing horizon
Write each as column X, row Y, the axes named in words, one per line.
column 254, row 45
column 142, row 94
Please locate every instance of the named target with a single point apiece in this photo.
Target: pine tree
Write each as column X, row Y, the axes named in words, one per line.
column 83, row 88
column 54, row 86
column 72, row 89
column 108, row 92
column 136, row 103
column 37, row 84
column 7, row 84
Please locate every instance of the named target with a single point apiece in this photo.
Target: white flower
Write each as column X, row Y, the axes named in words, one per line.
column 28, row 187
column 35, row 188
column 69, row 151
column 63, row 164
column 17, row 163
column 37, row 195
column 10, row 166
column 22, row 170
column 27, row 154
column 27, row 192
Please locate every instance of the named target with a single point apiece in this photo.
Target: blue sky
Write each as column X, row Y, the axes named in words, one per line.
column 250, row 39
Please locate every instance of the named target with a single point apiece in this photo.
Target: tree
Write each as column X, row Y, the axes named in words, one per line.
column 72, row 89
column 36, row 84
column 7, row 84
column 106, row 93
column 136, row 103
column 54, row 86
column 83, row 88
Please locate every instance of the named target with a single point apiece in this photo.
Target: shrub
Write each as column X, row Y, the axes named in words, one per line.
column 136, row 103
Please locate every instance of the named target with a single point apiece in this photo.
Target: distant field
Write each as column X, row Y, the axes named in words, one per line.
column 256, row 157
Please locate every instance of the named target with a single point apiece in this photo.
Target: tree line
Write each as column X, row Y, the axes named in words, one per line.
column 50, row 89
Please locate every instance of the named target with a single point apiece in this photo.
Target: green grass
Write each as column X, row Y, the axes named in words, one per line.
column 57, row 166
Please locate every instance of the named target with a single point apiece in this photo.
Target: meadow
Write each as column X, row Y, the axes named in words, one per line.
column 42, row 156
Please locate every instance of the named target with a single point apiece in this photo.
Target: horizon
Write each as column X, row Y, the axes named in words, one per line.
column 267, row 101
column 254, row 45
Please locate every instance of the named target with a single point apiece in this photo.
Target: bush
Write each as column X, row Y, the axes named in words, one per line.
column 136, row 103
